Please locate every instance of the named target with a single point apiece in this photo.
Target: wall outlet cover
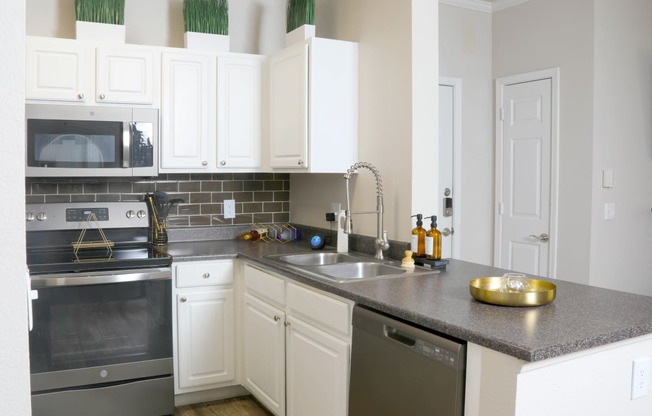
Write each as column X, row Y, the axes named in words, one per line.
column 229, row 208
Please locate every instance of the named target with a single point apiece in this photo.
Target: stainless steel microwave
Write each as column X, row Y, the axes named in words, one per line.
column 83, row 141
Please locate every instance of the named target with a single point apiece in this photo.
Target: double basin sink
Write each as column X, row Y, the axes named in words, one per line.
column 343, row 267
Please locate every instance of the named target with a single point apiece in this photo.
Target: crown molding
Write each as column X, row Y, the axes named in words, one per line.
column 483, row 5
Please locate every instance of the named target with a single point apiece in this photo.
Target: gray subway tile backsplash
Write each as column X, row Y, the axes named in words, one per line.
column 259, row 197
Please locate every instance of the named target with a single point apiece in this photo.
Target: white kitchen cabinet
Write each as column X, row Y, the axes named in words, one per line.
column 317, row 371
column 126, row 76
column 204, row 348
column 239, row 111
column 59, row 70
column 296, row 346
column 211, row 112
column 73, row 71
column 264, row 353
column 186, row 126
column 313, row 106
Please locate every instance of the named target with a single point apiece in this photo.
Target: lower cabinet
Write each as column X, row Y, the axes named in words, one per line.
column 297, row 346
column 205, row 325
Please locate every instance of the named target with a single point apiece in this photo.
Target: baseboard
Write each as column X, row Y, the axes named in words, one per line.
column 209, row 395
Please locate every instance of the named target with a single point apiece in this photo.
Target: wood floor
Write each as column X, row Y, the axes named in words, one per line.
column 238, row 406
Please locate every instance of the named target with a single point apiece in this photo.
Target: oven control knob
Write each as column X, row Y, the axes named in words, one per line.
column 30, row 216
column 141, row 214
column 131, row 214
column 41, row 216
column 104, row 373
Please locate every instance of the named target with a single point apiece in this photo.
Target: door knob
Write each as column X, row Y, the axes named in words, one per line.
column 446, row 232
column 543, row 237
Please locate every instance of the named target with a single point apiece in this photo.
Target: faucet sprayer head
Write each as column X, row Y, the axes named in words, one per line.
column 372, row 168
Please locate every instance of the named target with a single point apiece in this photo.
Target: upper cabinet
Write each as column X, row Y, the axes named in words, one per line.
column 72, row 71
column 313, row 106
column 211, row 112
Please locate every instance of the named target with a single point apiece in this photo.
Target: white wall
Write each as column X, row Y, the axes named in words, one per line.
column 596, row 382
column 465, row 52
column 541, row 34
column 621, row 250
column 14, row 348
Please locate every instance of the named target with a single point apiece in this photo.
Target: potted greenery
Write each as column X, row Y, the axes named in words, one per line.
column 300, row 20
column 206, row 24
column 100, row 20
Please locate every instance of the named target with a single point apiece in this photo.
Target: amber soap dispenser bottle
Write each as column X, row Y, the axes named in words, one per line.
column 433, row 240
column 418, row 241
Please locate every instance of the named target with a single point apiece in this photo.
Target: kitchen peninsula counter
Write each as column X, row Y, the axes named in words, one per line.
column 581, row 317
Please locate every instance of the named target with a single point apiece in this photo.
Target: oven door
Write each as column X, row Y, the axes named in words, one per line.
column 101, row 328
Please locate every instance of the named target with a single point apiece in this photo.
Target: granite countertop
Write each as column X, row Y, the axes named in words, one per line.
column 581, row 317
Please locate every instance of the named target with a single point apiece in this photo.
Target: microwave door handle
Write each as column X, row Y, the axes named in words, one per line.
column 126, row 145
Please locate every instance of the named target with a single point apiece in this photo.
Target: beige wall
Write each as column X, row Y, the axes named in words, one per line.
column 621, row 250
column 465, row 53
column 14, row 348
column 383, row 31
column 541, row 34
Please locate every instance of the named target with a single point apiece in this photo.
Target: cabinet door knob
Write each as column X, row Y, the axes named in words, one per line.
column 286, row 323
column 80, row 95
column 204, row 163
column 300, row 162
column 206, row 275
column 102, row 96
column 277, row 318
column 222, row 162
column 183, row 299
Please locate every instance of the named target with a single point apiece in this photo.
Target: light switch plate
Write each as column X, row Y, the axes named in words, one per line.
column 609, row 211
column 608, row 178
column 229, row 208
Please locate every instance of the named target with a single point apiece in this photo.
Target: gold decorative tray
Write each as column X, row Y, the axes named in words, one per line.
column 512, row 290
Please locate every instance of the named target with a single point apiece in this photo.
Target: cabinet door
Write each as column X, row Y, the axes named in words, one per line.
column 185, row 131
column 317, row 371
column 239, row 112
column 288, row 102
column 124, row 76
column 58, row 70
column 206, row 337
column 264, row 353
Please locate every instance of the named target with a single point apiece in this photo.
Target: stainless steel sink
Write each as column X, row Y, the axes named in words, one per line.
column 358, row 270
column 342, row 267
column 316, row 259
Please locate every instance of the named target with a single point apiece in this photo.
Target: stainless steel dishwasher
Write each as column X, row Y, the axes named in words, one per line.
column 401, row 370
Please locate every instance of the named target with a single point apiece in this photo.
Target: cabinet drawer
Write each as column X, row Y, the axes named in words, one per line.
column 320, row 310
column 264, row 285
column 204, row 273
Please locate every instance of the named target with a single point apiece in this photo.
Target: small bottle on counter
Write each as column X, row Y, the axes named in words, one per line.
column 433, row 240
column 418, row 241
column 254, row 234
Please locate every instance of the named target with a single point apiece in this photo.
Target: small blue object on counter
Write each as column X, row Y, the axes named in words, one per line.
column 317, row 241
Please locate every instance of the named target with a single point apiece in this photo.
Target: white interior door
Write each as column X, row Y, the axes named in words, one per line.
column 524, row 184
column 448, row 188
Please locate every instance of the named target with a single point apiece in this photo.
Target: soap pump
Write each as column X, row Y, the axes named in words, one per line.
column 418, row 241
column 433, row 240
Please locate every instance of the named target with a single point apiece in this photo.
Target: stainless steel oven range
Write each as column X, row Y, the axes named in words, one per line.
column 101, row 342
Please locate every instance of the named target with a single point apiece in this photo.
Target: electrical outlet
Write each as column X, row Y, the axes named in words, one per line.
column 640, row 377
column 229, row 208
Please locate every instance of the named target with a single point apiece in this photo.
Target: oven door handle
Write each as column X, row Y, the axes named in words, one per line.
column 99, row 278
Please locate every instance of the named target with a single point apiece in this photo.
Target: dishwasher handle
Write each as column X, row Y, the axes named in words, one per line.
column 396, row 335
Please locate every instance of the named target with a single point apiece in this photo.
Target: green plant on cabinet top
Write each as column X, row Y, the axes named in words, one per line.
column 300, row 12
column 101, row 11
column 206, row 16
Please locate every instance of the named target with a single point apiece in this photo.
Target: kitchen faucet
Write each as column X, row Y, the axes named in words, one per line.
column 381, row 235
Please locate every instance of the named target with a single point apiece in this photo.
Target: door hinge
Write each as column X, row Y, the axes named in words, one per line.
column 500, row 208
column 502, row 114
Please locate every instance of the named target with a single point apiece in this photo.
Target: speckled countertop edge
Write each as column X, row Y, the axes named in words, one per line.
column 582, row 317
